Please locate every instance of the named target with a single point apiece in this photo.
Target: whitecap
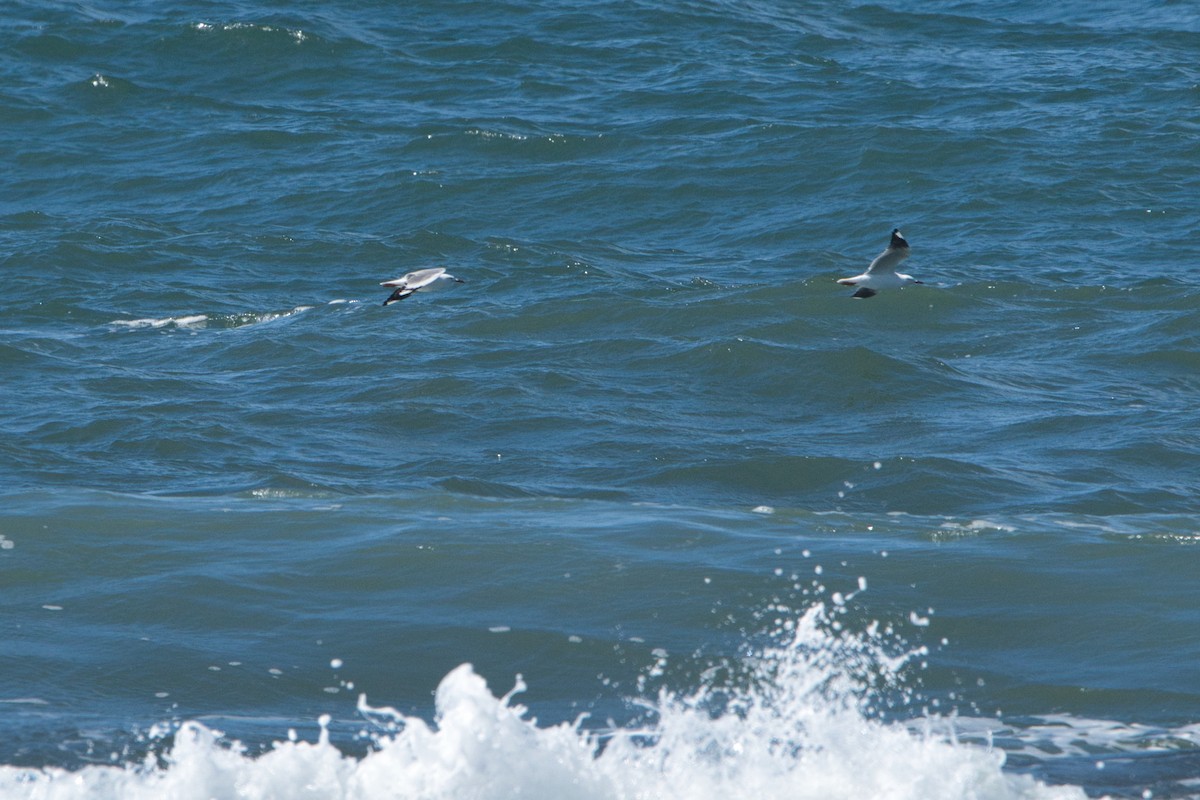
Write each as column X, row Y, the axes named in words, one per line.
column 803, row 727
column 259, row 317
column 192, row 321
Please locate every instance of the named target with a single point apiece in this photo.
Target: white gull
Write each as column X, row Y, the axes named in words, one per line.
column 882, row 272
column 414, row 281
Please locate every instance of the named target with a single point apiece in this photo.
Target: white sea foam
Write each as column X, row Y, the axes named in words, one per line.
column 1078, row 737
column 805, row 729
column 296, row 34
column 258, row 318
column 193, row 321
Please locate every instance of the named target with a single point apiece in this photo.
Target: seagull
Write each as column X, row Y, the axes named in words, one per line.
column 882, row 272
column 414, row 281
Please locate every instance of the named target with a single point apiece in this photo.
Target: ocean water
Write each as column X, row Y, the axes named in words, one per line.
column 648, row 506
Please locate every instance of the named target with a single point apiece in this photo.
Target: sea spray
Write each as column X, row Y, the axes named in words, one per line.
column 800, row 720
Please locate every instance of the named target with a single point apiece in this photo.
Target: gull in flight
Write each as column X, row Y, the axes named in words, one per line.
column 414, row 281
column 882, row 272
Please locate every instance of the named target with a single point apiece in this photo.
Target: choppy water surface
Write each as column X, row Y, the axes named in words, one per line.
column 706, row 526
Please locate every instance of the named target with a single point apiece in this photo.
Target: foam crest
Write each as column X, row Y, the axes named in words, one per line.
column 794, row 720
column 806, row 727
column 258, row 318
column 197, row 321
column 297, row 35
column 191, row 321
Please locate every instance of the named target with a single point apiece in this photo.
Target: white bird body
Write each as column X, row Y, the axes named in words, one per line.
column 882, row 272
column 414, row 281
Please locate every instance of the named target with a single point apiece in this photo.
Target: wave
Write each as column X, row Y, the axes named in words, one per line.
column 198, row 321
column 188, row 321
column 800, row 718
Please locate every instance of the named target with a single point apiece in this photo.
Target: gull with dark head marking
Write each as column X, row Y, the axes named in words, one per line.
column 415, row 281
column 882, row 272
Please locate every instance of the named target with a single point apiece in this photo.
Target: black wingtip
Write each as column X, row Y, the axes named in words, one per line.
column 898, row 239
column 398, row 295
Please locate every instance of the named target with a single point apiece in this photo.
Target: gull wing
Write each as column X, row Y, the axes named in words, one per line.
column 424, row 277
column 890, row 258
column 399, row 294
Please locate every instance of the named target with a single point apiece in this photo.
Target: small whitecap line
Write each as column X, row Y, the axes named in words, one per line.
column 242, row 320
column 297, row 34
column 977, row 525
column 486, row 134
column 202, row 320
column 195, row 320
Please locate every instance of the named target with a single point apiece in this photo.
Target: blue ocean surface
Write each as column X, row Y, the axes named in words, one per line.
column 648, row 506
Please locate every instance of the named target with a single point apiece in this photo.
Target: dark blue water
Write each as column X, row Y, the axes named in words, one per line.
column 768, row 540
